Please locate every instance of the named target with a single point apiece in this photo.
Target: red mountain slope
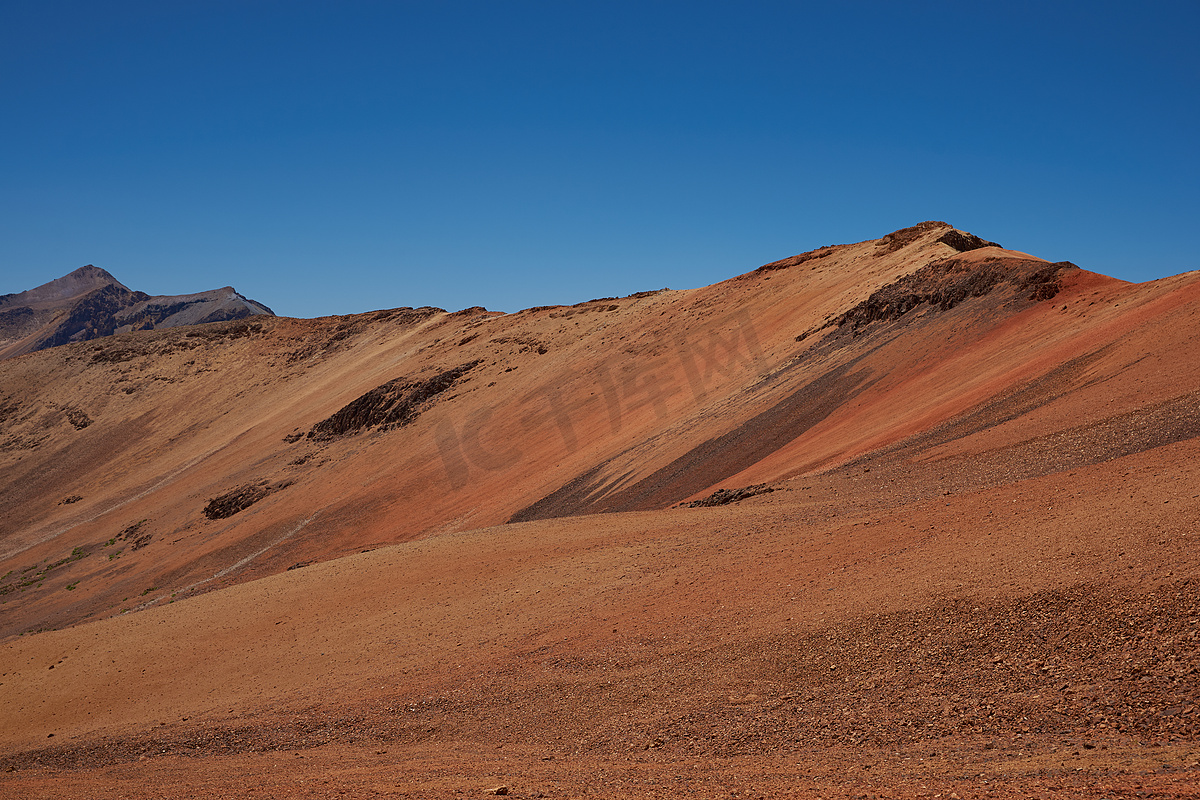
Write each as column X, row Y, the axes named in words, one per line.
column 971, row 490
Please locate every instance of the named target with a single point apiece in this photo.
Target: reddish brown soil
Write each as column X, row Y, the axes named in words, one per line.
column 975, row 576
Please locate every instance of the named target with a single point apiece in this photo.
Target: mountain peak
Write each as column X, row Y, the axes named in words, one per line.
column 74, row 284
column 950, row 236
column 91, row 272
column 89, row 302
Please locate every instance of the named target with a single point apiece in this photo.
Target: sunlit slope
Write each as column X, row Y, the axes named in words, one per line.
column 152, row 466
column 690, row 626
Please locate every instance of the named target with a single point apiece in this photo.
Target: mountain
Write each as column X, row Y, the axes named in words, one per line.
column 903, row 517
column 89, row 303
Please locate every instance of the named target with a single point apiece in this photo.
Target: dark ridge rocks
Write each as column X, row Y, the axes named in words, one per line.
column 241, row 498
column 360, row 323
column 964, row 242
column 811, row 255
column 585, row 308
column 906, row 236
column 524, row 344
column 1046, row 282
column 160, row 342
column 646, row 293
column 391, row 405
column 352, row 325
column 114, row 355
column 238, row 330
column 945, row 284
column 959, row 240
column 723, row 497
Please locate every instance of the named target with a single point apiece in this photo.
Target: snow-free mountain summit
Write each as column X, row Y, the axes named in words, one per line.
column 89, row 303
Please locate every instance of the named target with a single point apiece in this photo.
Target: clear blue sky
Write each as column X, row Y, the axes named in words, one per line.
column 336, row 157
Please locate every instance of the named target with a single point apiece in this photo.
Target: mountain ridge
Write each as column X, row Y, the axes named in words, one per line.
column 90, row 302
column 595, row 405
column 899, row 496
column 75, row 283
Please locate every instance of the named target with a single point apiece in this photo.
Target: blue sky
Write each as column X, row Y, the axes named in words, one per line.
column 337, row 157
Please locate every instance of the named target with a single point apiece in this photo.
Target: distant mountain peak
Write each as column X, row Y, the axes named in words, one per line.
column 90, row 302
column 90, row 270
column 74, row 284
column 87, row 275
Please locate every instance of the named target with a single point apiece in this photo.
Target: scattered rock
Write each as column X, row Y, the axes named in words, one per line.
column 725, row 496
column 78, row 419
column 240, row 499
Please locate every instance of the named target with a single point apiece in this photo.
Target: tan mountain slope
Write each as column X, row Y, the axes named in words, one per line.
column 838, row 637
column 348, row 433
column 964, row 452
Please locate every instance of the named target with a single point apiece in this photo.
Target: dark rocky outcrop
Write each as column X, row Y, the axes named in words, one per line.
column 964, row 242
column 811, row 255
column 945, row 284
column 723, row 497
column 241, row 498
column 391, row 405
column 906, row 236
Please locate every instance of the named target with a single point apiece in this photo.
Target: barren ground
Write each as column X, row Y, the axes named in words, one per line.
column 974, row 573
